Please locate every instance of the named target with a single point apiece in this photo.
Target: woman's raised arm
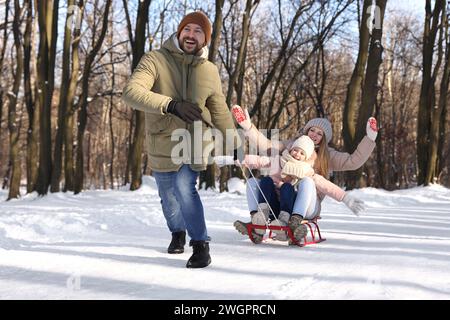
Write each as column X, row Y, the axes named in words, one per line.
column 343, row 161
column 254, row 135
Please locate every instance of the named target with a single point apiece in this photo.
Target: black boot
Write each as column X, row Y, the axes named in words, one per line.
column 200, row 258
column 178, row 242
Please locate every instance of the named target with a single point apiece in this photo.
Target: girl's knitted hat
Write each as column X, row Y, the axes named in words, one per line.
column 306, row 144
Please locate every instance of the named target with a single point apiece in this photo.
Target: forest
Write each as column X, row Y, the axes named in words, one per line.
column 64, row 65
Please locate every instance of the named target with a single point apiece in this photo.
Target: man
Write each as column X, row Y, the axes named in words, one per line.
column 178, row 88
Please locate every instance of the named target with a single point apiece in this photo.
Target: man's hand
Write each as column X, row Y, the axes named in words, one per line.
column 357, row 206
column 186, row 111
column 371, row 128
column 242, row 117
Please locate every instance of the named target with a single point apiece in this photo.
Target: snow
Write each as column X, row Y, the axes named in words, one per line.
column 112, row 245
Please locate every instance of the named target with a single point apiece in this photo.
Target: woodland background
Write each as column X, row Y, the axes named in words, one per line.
column 63, row 126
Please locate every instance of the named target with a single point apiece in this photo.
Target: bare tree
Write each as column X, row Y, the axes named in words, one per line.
column 355, row 84
column 62, row 107
column 71, row 107
column 439, row 112
column 14, row 117
column 2, row 56
column 363, row 85
column 83, row 101
column 207, row 178
column 138, row 48
column 47, row 12
column 29, row 74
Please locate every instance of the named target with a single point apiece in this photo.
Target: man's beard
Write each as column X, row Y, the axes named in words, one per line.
column 194, row 49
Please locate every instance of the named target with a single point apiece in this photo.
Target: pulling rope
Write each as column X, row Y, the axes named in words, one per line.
column 259, row 188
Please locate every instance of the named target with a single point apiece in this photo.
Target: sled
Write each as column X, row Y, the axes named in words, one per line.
column 312, row 236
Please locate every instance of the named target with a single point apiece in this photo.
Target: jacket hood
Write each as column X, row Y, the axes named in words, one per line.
column 173, row 47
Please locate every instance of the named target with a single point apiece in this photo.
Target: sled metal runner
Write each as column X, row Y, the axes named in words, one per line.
column 312, row 236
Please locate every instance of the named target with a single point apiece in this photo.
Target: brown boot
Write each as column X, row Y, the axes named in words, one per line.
column 299, row 230
column 241, row 227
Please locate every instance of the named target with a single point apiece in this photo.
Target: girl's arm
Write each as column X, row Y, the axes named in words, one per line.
column 253, row 161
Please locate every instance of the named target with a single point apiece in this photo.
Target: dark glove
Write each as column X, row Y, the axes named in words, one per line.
column 186, row 111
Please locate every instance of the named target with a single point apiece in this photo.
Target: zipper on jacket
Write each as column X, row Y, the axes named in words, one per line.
column 187, row 82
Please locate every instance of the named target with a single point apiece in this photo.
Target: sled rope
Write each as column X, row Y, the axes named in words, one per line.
column 259, row 188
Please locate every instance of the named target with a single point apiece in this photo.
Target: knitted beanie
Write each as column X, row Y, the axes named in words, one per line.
column 199, row 18
column 306, row 144
column 321, row 123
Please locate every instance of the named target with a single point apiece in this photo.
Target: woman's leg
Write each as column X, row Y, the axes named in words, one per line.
column 252, row 193
column 306, row 201
column 305, row 207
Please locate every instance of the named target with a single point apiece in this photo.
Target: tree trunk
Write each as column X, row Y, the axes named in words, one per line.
column 427, row 90
column 62, row 107
column 138, row 47
column 208, row 177
column 354, row 88
column 111, row 105
column 13, row 114
column 83, row 103
column 437, row 126
column 33, row 112
column 69, row 166
column 217, row 29
column 240, row 57
column 442, row 166
column 2, row 59
column 47, row 12
column 370, row 89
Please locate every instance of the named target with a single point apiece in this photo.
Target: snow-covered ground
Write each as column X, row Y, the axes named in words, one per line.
column 112, row 245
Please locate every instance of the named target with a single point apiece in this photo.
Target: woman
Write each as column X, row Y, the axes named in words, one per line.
column 311, row 191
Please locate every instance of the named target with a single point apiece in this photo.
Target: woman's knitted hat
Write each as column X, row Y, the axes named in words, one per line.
column 199, row 18
column 321, row 123
column 306, row 144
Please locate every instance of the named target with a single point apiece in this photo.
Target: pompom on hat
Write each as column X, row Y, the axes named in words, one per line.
column 321, row 123
column 199, row 18
column 306, row 144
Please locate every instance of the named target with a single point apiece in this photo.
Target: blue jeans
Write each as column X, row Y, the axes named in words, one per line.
column 181, row 202
column 286, row 200
column 252, row 193
column 306, row 203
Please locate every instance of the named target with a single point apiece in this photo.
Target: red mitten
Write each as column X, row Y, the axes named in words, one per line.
column 371, row 128
column 242, row 117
